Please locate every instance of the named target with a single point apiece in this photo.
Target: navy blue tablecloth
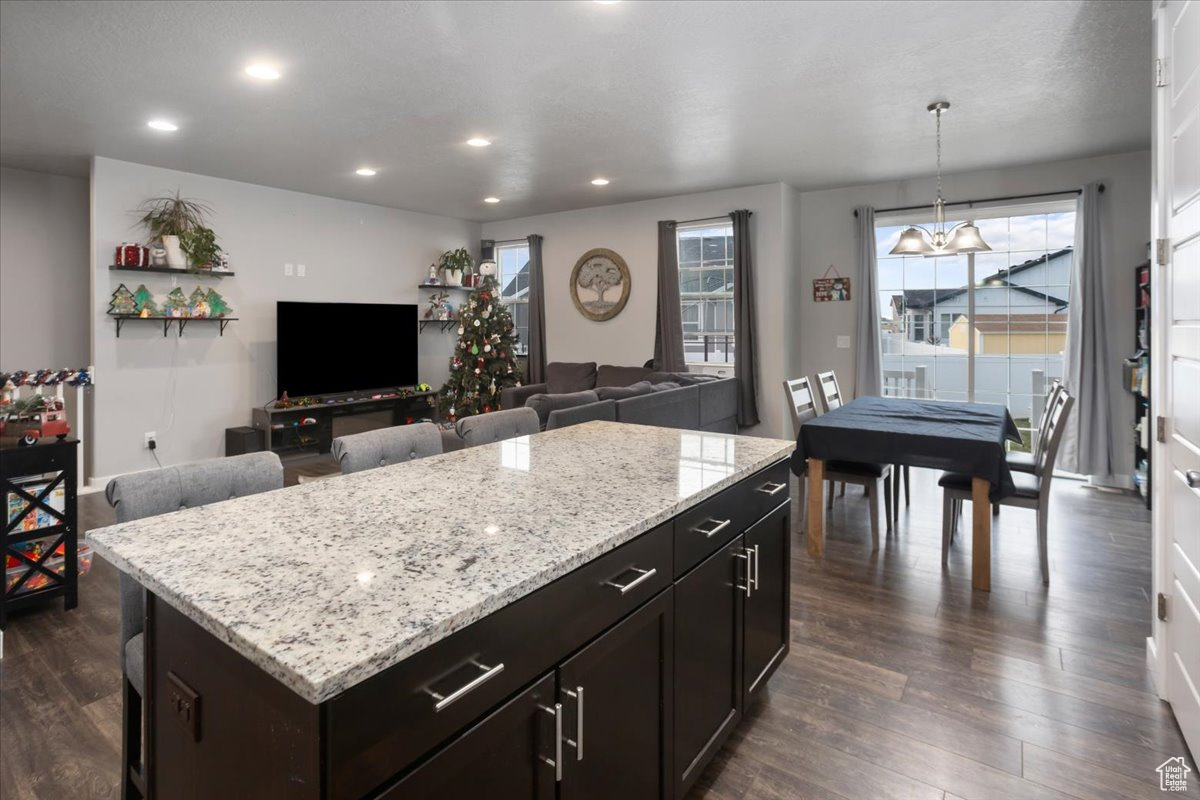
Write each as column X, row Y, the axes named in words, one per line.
column 959, row 437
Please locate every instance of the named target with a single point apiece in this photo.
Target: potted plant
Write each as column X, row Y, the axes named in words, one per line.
column 169, row 218
column 200, row 246
column 454, row 263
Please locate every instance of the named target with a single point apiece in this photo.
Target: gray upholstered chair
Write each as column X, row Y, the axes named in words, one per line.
column 803, row 408
column 497, row 426
column 379, row 448
column 1032, row 489
column 148, row 494
column 600, row 410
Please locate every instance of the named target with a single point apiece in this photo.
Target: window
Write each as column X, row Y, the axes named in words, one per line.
column 706, row 291
column 1012, row 348
column 512, row 262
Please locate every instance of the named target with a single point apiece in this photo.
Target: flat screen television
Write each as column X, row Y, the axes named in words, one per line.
column 331, row 348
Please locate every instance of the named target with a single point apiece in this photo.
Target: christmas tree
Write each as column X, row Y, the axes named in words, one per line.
column 144, row 301
column 175, row 304
column 483, row 362
column 198, row 296
column 122, row 301
column 217, row 306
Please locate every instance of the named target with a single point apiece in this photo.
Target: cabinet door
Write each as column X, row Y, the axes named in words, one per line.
column 507, row 756
column 708, row 659
column 768, row 607
column 617, row 710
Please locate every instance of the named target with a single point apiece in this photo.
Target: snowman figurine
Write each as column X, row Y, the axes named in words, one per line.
column 487, row 269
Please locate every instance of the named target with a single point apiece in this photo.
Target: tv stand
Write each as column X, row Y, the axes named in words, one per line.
column 308, row 429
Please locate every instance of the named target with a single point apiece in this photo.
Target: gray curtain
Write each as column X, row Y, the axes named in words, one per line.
column 668, row 333
column 745, row 322
column 868, row 355
column 537, row 314
column 1090, row 374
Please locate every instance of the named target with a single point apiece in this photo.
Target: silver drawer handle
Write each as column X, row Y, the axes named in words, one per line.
column 556, row 762
column 643, row 576
column 775, row 488
column 578, row 743
column 487, row 675
column 748, row 587
column 711, row 532
column 1193, row 478
column 755, row 548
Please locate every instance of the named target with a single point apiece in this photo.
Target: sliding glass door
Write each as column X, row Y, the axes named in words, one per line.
column 989, row 327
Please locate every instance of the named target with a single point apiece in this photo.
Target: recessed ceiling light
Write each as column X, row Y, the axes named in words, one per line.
column 491, row 199
column 599, row 181
column 263, row 72
column 162, row 125
column 366, row 172
column 478, row 142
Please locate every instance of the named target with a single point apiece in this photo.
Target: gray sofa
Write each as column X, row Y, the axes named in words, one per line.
column 581, row 392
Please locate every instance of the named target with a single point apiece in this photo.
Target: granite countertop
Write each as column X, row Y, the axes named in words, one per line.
column 325, row 584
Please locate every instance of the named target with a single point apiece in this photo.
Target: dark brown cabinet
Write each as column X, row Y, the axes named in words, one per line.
column 768, row 550
column 507, row 756
column 616, row 697
column 708, row 659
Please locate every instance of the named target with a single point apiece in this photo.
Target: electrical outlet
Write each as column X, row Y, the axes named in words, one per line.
column 843, row 342
column 299, row 270
column 151, row 437
column 287, row 270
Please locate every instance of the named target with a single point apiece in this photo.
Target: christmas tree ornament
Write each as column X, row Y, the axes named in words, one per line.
column 487, row 348
column 175, row 304
column 144, row 302
column 474, row 349
column 477, row 323
column 217, row 307
column 461, row 330
column 122, row 302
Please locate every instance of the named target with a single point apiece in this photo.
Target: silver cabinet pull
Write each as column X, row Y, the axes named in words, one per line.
column 718, row 526
column 755, row 579
column 1193, row 478
column 745, row 556
column 487, row 674
column 771, row 489
column 643, row 576
column 578, row 743
column 556, row 762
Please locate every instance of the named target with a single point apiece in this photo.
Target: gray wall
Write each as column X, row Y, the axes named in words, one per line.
column 189, row 389
column 630, row 229
column 43, row 270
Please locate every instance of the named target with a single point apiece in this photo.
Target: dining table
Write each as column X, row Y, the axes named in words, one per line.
column 962, row 437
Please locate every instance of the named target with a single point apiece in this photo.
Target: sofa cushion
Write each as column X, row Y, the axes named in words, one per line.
column 681, row 378
column 621, row 392
column 605, row 410
column 570, row 376
column 543, row 404
column 608, row 375
column 675, row 409
column 666, row 386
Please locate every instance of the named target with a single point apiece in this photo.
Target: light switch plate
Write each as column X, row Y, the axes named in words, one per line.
column 287, row 270
column 843, row 342
column 299, row 270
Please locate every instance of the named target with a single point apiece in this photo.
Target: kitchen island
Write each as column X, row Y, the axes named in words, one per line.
column 580, row 613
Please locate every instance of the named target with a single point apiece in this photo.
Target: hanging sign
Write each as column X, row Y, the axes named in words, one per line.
column 828, row 288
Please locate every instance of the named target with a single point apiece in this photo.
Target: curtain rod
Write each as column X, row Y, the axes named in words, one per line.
column 984, row 200
column 703, row 219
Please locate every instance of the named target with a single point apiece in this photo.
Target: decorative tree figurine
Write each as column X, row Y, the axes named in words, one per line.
column 217, row 307
column 176, row 304
column 197, row 306
column 122, row 302
column 483, row 362
column 143, row 302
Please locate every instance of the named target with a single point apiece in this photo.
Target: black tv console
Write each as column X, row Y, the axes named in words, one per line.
column 308, row 429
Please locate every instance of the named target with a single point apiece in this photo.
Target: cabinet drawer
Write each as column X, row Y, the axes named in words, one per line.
column 390, row 720
column 765, row 491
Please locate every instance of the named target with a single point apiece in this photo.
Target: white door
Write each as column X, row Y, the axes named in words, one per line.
column 1177, row 479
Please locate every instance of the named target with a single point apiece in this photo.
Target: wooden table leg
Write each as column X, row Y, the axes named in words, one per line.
column 981, row 535
column 816, row 507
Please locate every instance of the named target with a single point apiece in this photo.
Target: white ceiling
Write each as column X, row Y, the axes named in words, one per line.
column 661, row 97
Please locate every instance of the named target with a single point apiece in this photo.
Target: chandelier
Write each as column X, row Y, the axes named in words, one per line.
column 962, row 238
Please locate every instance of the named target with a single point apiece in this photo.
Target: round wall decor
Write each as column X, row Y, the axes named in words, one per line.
column 600, row 274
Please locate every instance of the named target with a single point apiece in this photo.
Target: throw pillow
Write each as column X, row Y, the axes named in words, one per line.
column 543, row 404
column 608, row 375
column 570, row 376
column 622, row 392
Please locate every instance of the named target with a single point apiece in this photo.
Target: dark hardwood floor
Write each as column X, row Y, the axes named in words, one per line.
column 901, row 683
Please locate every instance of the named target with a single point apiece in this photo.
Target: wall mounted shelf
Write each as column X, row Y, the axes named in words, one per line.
column 444, row 286
column 446, row 324
column 166, row 321
column 199, row 273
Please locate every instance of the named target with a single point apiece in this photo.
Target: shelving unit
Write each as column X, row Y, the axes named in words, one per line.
column 166, row 321
column 200, row 273
column 309, row 429
column 1138, row 382
column 444, row 286
column 446, row 324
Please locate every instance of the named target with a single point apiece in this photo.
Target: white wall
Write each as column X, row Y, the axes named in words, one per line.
column 43, row 270
column 631, row 230
column 189, row 389
column 827, row 237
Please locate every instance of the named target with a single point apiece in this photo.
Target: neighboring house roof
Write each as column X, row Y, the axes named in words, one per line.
column 1020, row 323
column 917, row 299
